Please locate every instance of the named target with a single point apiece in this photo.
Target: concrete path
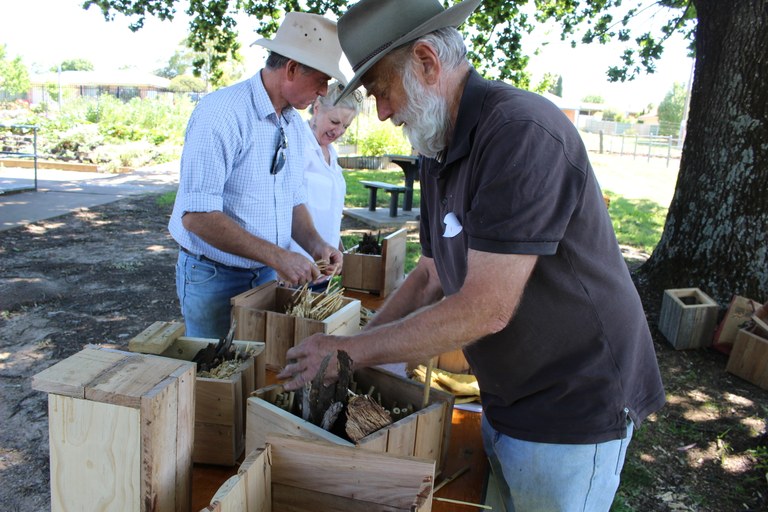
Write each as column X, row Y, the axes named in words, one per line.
column 62, row 192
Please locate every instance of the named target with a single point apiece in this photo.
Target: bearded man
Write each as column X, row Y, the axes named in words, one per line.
column 520, row 265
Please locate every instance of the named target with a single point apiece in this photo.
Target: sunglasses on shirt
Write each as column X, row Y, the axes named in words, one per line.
column 278, row 161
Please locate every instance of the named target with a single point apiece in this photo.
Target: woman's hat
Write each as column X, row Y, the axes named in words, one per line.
column 309, row 39
column 371, row 29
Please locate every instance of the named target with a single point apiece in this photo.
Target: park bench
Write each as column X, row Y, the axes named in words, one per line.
column 393, row 190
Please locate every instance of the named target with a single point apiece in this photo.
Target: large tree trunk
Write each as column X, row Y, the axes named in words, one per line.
column 716, row 233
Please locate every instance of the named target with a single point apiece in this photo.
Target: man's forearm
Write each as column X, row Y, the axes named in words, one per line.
column 420, row 288
column 304, row 232
column 220, row 231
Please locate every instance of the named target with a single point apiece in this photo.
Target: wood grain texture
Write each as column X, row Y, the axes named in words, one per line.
column 357, row 474
column 79, row 458
column 131, row 433
column 749, row 358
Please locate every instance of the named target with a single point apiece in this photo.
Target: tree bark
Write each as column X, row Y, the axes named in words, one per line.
column 716, row 233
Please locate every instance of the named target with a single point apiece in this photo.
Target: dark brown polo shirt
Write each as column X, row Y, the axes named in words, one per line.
column 578, row 353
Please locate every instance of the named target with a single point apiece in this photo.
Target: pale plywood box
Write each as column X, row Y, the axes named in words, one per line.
column 120, row 431
column 290, row 473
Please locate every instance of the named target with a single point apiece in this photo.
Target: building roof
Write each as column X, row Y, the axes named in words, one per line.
column 102, row 78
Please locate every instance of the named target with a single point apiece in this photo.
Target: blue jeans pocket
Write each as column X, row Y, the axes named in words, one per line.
column 199, row 273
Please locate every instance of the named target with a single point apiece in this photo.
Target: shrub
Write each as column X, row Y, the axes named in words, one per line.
column 386, row 138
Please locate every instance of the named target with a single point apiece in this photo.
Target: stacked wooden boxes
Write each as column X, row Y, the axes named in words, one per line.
column 688, row 317
column 749, row 355
column 290, row 473
column 260, row 315
column 220, row 409
column 424, row 433
column 379, row 274
column 120, row 431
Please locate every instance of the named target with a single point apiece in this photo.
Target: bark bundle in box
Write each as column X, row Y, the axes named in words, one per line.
column 221, row 402
column 423, row 433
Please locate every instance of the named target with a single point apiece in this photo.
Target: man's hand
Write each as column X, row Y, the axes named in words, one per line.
column 294, row 269
column 335, row 260
column 305, row 360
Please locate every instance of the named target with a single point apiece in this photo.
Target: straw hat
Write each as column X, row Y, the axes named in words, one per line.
column 309, row 39
column 371, row 29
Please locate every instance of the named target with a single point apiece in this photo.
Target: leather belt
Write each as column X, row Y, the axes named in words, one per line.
column 200, row 257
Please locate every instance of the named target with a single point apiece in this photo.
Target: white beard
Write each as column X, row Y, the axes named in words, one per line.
column 425, row 120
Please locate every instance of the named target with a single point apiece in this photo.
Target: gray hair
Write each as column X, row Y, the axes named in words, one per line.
column 277, row 61
column 447, row 42
column 352, row 101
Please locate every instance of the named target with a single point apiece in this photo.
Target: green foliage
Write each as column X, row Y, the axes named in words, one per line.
column 639, row 55
column 383, row 139
column 610, row 114
column 14, row 77
column 75, row 65
column 177, row 65
column 593, row 98
column 495, row 30
column 671, row 110
column 112, row 133
column 551, row 83
column 186, row 83
column 197, row 64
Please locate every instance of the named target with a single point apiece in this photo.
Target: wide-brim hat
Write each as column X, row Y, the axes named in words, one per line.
column 371, row 29
column 309, row 39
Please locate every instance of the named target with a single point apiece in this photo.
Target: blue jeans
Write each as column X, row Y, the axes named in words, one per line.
column 205, row 289
column 555, row 477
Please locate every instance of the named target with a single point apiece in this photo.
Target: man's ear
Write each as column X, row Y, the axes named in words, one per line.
column 429, row 63
column 291, row 70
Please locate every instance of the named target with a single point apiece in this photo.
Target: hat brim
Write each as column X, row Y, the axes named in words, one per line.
column 454, row 16
column 306, row 58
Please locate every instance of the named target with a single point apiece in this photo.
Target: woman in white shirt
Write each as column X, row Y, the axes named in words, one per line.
column 323, row 179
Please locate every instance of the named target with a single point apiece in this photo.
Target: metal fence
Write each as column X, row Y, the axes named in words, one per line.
column 636, row 146
column 52, row 94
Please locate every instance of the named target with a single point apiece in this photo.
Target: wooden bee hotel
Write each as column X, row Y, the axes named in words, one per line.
column 220, row 394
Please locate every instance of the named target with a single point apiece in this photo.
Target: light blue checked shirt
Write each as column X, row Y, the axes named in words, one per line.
column 229, row 144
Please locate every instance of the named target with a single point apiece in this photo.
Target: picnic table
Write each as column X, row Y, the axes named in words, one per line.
column 410, row 166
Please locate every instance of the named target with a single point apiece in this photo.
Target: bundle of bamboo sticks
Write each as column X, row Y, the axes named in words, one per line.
column 306, row 304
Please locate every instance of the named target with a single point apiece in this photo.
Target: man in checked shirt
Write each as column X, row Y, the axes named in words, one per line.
column 240, row 198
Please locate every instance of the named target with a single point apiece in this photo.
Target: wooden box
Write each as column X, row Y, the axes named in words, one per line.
column 294, row 474
column 749, row 355
column 260, row 315
column 739, row 311
column 688, row 317
column 120, row 431
column 379, row 274
column 220, row 409
column 424, row 433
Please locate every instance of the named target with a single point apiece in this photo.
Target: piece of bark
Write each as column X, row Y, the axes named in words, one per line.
column 365, row 416
column 331, row 414
column 318, row 398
